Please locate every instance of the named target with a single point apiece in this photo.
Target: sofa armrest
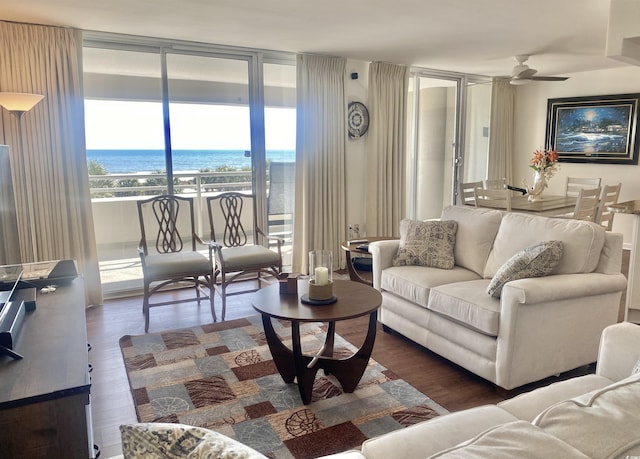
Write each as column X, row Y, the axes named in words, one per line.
column 619, row 350
column 382, row 253
column 563, row 287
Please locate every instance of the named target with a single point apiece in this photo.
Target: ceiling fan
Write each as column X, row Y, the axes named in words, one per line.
column 523, row 74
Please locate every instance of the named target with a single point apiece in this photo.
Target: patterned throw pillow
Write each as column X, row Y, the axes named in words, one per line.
column 535, row 261
column 636, row 368
column 178, row 441
column 427, row 243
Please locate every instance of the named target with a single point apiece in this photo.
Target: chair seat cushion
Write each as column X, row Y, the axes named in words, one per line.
column 177, row 264
column 249, row 256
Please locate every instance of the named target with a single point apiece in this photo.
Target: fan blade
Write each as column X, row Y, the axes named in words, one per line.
column 549, row 78
column 528, row 73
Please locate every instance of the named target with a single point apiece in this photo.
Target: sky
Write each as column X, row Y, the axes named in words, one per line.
column 124, row 125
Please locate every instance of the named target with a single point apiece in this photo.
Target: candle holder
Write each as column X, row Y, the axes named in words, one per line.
column 320, row 278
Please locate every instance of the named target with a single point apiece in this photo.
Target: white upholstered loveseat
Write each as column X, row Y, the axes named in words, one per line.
column 538, row 327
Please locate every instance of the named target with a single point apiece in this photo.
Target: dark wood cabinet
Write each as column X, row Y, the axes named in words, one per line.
column 44, row 397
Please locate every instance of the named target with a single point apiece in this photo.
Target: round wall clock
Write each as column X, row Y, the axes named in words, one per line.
column 357, row 120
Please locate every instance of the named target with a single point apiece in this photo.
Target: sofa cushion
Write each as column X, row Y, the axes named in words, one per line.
column 477, row 228
column 466, row 302
column 413, row 283
column 602, row 424
column 426, row 243
column 176, row 441
column 535, row 261
column 518, row 439
column 582, row 241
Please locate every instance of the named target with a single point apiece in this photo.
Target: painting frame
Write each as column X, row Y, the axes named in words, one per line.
column 594, row 129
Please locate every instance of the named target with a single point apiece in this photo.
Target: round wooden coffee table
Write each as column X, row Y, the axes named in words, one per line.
column 354, row 300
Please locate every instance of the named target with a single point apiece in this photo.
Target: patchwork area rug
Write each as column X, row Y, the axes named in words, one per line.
column 221, row 376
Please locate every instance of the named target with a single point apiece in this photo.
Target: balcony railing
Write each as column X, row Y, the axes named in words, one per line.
column 113, row 199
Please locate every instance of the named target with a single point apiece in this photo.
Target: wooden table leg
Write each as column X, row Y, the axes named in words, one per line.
column 293, row 364
column 282, row 355
column 349, row 371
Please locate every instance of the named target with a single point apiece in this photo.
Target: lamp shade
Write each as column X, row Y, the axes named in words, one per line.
column 19, row 101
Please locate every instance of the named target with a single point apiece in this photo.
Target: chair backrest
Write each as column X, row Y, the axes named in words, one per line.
column 495, row 184
column 610, row 195
column 465, row 192
column 494, row 198
column 232, row 218
column 587, row 204
column 166, row 223
column 573, row 185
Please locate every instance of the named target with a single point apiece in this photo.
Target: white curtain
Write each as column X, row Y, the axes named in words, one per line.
column 501, row 131
column 320, row 203
column 47, row 60
column 386, row 148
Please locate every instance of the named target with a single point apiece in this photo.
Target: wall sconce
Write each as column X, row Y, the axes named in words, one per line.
column 18, row 104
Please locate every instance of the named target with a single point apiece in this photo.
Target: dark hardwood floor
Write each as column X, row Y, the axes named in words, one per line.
column 449, row 385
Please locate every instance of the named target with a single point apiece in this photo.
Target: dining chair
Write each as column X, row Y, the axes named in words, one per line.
column 465, row 192
column 587, row 204
column 573, row 185
column 238, row 244
column 495, row 184
column 494, row 198
column 168, row 252
column 609, row 196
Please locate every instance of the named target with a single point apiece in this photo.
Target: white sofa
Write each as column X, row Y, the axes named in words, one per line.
column 538, row 327
column 592, row 416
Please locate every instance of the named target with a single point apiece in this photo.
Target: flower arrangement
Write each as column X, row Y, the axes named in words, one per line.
column 545, row 162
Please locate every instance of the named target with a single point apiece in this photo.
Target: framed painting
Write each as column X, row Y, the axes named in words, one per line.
column 598, row 129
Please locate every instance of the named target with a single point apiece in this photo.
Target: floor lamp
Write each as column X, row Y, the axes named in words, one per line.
column 18, row 104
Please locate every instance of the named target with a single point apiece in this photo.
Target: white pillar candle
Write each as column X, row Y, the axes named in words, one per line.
column 322, row 275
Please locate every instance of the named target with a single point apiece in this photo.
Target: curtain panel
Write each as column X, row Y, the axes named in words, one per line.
column 386, row 148
column 47, row 60
column 320, row 202
column 501, row 130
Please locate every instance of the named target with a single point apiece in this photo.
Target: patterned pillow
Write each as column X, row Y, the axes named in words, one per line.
column 178, row 441
column 636, row 368
column 427, row 243
column 535, row 261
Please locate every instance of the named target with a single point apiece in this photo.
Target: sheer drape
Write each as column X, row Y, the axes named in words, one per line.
column 320, row 204
column 501, row 132
column 46, row 60
column 386, row 148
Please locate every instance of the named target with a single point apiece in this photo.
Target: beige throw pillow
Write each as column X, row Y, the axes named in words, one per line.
column 179, row 441
column 429, row 243
column 534, row 261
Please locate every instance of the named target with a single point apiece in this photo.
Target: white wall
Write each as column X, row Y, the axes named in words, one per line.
column 356, row 152
column 530, row 125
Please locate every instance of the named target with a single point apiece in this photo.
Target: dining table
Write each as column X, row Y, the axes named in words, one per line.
column 547, row 206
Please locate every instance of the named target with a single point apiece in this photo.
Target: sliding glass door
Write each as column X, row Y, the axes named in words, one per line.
column 448, row 141
column 183, row 119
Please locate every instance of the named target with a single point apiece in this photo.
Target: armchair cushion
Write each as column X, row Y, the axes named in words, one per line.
column 178, row 264
column 239, row 258
column 535, row 261
column 428, row 243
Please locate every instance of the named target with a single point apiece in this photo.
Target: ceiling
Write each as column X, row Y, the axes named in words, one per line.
column 469, row 36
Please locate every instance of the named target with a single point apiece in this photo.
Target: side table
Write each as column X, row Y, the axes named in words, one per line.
column 352, row 247
column 354, row 300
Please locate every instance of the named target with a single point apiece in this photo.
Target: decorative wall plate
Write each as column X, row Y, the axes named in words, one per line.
column 357, row 120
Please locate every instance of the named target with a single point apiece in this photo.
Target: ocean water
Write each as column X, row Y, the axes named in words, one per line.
column 131, row 161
